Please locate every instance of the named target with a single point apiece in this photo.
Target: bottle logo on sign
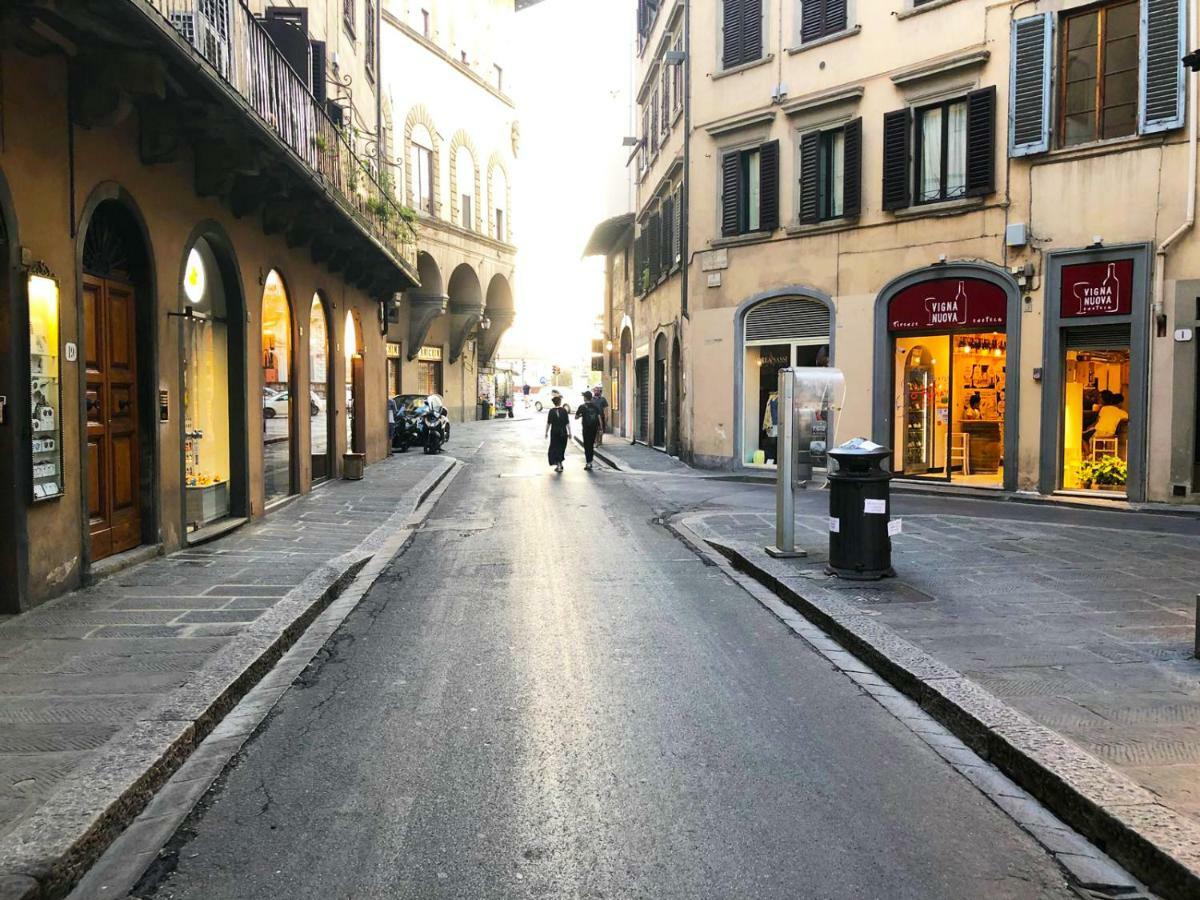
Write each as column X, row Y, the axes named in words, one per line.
column 948, row 312
column 1097, row 299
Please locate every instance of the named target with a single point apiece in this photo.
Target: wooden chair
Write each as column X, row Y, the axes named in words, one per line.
column 960, row 451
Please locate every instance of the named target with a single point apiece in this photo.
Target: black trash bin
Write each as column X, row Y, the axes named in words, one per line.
column 860, row 547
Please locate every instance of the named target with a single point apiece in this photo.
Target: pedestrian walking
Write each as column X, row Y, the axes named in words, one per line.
column 558, row 429
column 601, row 404
column 589, row 417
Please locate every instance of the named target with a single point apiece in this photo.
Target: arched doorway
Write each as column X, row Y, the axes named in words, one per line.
column 282, row 404
column 676, row 396
column 214, row 377
column 356, row 424
column 626, row 385
column 14, row 488
column 118, row 380
column 323, row 398
column 775, row 330
column 660, row 392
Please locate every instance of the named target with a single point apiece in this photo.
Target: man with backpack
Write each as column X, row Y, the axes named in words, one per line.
column 590, row 422
column 601, row 404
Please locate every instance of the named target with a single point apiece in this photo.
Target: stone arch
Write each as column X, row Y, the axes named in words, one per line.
column 111, row 224
column 500, row 313
column 462, row 141
column 466, row 307
column 14, row 538
column 496, row 164
column 419, row 115
column 426, row 303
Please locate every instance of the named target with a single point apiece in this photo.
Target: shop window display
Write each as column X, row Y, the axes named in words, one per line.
column 205, row 390
column 761, row 398
column 45, row 390
column 318, row 377
column 1096, row 419
column 278, row 395
column 950, row 406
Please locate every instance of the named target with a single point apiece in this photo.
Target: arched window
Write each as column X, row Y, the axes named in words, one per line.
column 420, row 169
column 464, row 169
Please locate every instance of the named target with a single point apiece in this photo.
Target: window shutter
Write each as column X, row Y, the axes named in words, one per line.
column 731, row 54
column 835, row 16
column 1030, row 79
column 731, row 188
column 852, row 170
column 810, row 172
column 668, row 235
column 812, row 20
column 752, row 30
column 1161, row 75
column 768, row 186
column 677, row 234
column 896, row 135
column 981, row 142
column 655, row 248
column 637, row 262
column 317, row 75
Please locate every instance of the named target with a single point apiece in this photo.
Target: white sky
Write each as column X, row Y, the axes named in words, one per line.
column 571, row 62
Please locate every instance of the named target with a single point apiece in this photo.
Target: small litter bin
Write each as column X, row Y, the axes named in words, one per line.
column 352, row 466
column 860, row 545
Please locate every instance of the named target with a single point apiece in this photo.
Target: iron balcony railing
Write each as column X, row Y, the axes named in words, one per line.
column 229, row 37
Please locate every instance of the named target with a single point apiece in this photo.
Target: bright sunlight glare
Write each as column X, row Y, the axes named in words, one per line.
column 573, row 73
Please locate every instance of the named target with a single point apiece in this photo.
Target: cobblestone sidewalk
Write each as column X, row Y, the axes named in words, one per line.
column 78, row 671
column 619, row 453
column 1088, row 631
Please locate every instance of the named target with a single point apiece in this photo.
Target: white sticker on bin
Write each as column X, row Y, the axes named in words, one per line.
column 895, row 527
column 875, row 507
column 835, row 525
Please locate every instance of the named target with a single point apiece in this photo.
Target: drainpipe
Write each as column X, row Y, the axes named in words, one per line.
column 685, row 187
column 1157, row 306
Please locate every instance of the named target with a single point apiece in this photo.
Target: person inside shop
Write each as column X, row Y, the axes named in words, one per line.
column 590, row 416
column 1109, row 418
column 973, row 411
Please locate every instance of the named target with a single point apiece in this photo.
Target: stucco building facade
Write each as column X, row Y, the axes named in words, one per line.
column 982, row 213
column 452, row 138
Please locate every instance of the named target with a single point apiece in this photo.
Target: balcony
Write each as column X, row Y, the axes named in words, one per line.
column 206, row 74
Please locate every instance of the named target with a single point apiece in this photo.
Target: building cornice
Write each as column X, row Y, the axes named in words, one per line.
column 437, row 51
column 740, row 122
column 810, row 102
column 930, row 68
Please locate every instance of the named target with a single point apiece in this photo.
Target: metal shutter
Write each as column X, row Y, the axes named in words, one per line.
column 642, row 390
column 794, row 319
column 1098, row 337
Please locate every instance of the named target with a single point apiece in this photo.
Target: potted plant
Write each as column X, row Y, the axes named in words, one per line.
column 1110, row 473
column 1086, row 473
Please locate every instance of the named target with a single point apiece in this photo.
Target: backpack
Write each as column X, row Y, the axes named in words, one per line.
column 590, row 415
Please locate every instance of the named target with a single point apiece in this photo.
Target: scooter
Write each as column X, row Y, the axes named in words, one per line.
column 433, row 433
column 407, row 432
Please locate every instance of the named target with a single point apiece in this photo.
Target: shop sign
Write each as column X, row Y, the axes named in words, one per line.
column 430, row 354
column 393, row 351
column 949, row 304
column 1097, row 289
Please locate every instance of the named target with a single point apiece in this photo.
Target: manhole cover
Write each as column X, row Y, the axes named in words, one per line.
column 883, row 593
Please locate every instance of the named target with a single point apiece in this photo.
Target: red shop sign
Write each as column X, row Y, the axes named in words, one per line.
column 949, row 304
column 1097, row 289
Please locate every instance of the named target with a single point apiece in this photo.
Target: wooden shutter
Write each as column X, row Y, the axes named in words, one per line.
column 896, row 136
column 812, row 20
column 639, row 259
column 1161, row 76
column 810, row 177
column 835, row 16
column 676, row 232
column 655, row 248
column 668, row 234
column 981, row 142
column 731, row 33
column 768, row 186
column 852, row 170
column 1030, row 80
column 752, row 30
column 317, row 76
column 731, row 193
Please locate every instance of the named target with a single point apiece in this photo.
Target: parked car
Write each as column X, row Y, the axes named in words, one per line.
column 275, row 403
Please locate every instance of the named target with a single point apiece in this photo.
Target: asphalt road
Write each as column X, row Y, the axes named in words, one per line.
column 549, row 696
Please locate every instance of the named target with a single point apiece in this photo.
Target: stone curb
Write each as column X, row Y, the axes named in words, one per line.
column 599, row 453
column 45, row 855
column 1157, row 844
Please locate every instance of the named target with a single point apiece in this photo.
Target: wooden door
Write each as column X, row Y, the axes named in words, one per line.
column 358, row 427
column 113, row 451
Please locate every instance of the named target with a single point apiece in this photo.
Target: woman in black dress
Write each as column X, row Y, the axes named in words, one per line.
column 558, row 427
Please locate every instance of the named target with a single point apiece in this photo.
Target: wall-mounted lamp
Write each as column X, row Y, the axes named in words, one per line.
column 485, row 323
column 1097, row 241
column 674, row 57
column 630, row 141
column 608, row 345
